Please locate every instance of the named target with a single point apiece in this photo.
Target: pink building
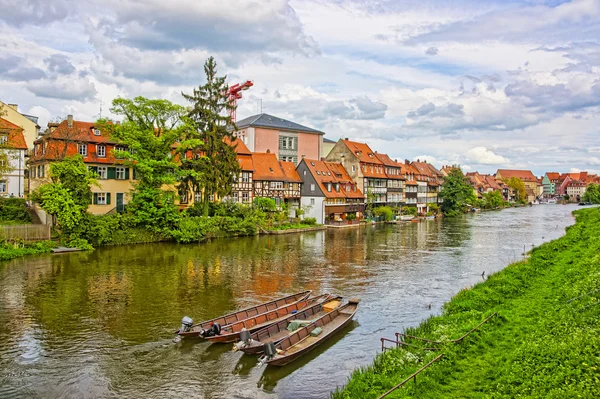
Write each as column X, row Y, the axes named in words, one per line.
column 290, row 141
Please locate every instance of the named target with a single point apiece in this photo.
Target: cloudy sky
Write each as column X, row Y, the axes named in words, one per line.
column 486, row 84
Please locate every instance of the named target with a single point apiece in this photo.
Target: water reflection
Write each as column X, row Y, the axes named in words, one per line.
column 100, row 324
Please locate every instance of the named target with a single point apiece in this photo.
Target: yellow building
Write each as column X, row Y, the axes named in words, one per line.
column 28, row 123
column 96, row 147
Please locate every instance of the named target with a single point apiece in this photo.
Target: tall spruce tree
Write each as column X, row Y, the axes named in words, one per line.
column 208, row 160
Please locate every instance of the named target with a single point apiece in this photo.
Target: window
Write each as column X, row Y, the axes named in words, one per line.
column 32, row 172
column 276, row 185
column 3, row 139
column 101, row 150
column 120, row 174
column 2, row 186
column 101, row 198
column 304, row 173
column 312, row 187
column 329, row 187
column 245, row 197
column 287, row 143
column 245, row 177
column 96, row 132
column 353, row 168
column 235, row 196
column 82, row 149
column 312, row 201
column 40, row 170
column 102, row 172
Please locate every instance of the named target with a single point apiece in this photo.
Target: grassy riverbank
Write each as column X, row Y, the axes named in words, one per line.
column 545, row 341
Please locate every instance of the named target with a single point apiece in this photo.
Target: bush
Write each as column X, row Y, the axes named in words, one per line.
column 12, row 251
column 14, row 210
column 385, row 212
column 309, row 221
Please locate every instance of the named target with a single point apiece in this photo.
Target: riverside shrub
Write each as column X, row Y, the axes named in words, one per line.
column 14, row 210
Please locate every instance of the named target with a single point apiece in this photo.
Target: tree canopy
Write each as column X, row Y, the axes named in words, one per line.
column 457, row 193
column 592, row 194
column 208, row 161
column 518, row 188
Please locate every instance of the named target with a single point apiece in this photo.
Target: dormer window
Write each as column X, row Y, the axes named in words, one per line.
column 96, row 132
column 318, row 173
column 371, row 156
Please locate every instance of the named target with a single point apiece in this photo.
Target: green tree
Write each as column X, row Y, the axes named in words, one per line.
column 518, row 188
column 208, row 161
column 592, row 194
column 457, row 193
column 147, row 136
column 68, row 194
column 492, row 200
column 385, row 212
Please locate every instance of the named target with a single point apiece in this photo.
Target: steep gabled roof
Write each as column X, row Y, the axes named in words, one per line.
column 326, row 140
column 274, row 122
column 332, row 172
column 553, row 175
column 16, row 139
column 363, row 152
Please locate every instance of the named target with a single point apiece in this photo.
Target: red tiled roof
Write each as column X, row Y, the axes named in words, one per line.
column 79, row 132
column 390, row 163
column 362, row 151
column 289, row 169
column 240, row 147
column 332, row 172
column 524, row 175
column 553, row 175
column 267, row 167
column 15, row 140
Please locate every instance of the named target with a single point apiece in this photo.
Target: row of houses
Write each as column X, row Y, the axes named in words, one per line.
column 572, row 184
column 293, row 164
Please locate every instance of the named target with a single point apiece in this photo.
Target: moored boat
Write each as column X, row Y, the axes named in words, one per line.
column 231, row 332
column 213, row 326
column 253, row 343
column 307, row 338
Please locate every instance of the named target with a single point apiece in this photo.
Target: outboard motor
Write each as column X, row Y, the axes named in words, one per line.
column 186, row 324
column 216, row 329
column 245, row 336
column 269, row 349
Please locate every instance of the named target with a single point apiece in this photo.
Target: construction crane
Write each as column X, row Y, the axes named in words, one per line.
column 235, row 93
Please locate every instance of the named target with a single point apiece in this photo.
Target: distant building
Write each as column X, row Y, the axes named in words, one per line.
column 396, row 183
column 549, row 181
column 526, row 176
column 72, row 137
column 12, row 141
column 288, row 141
column 327, row 146
column 576, row 189
column 28, row 123
column 328, row 192
column 433, row 178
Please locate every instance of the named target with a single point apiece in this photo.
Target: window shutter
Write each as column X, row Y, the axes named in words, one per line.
column 111, row 173
column 107, row 198
column 95, row 201
column 126, row 173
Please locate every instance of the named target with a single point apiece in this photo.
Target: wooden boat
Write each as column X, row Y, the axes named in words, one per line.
column 231, row 332
column 276, row 332
column 188, row 329
column 302, row 341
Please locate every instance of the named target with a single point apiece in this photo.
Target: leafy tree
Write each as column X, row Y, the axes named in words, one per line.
column 208, row 161
column 592, row 194
column 385, row 212
column 410, row 210
column 518, row 188
column 148, row 135
column 434, row 208
column 68, row 194
column 457, row 193
column 265, row 204
column 492, row 200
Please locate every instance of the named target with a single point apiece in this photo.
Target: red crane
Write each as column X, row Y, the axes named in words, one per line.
column 235, row 93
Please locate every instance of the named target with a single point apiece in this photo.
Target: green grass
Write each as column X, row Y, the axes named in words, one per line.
column 289, row 226
column 10, row 251
column 545, row 341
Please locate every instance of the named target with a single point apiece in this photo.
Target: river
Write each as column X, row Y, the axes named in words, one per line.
column 100, row 323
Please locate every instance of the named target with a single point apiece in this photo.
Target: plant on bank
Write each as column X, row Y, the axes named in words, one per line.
column 14, row 211
column 518, row 187
column 385, row 212
column 592, row 194
column 457, row 193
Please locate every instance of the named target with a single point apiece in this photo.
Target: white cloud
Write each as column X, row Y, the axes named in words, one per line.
column 483, row 156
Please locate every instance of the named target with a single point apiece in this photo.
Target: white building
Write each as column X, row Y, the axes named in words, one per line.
column 12, row 142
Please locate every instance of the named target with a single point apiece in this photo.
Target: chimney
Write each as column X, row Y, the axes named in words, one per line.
column 14, row 106
column 346, row 139
column 303, row 156
column 406, row 162
column 70, row 120
column 268, row 151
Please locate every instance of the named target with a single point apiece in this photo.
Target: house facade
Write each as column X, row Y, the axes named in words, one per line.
column 526, row 176
column 549, row 181
column 328, row 192
column 289, row 141
column 576, row 189
column 12, row 142
column 28, row 123
column 363, row 167
column 72, row 137
column 396, row 183
column 433, row 178
column 276, row 179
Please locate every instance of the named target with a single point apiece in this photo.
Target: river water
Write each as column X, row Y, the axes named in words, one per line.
column 100, row 324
